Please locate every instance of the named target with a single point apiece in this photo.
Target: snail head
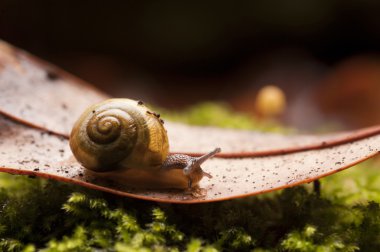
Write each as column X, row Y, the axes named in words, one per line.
column 195, row 163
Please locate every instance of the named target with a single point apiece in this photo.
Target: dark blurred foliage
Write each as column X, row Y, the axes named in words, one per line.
column 174, row 53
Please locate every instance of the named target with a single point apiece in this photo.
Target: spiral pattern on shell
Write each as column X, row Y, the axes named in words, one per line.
column 118, row 133
column 106, row 127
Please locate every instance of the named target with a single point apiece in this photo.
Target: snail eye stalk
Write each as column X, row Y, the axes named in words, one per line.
column 202, row 159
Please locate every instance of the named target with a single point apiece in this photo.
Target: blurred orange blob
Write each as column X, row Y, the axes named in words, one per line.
column 270, row 101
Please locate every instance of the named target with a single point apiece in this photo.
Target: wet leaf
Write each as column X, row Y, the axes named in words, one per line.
column 45, row 101
column 28, row 151
column 40, row 94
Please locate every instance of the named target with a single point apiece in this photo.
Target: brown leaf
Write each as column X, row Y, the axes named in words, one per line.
column 24, row 150
column 43, row 96
column 39, row 95
column 240, row 143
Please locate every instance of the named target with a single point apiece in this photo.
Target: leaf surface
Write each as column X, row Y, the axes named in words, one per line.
column 28, row 151
column 43, row 96
column 39, row 94
column 40, row 103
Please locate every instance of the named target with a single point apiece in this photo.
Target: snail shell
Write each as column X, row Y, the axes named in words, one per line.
column 119, row 133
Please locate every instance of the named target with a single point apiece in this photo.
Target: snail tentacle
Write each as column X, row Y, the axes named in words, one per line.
column 191, row 166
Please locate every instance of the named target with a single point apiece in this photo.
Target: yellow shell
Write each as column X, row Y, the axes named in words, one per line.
column 119, row 133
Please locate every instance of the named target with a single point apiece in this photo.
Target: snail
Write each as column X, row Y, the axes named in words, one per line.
column 122, row 140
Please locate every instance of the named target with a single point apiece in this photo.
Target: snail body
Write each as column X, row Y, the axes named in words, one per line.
column 122, row 140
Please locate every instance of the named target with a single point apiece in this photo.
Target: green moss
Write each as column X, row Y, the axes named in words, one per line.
column 43, row 215
column 221, row 115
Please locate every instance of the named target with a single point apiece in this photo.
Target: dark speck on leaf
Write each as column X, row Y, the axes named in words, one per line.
column 52, row 75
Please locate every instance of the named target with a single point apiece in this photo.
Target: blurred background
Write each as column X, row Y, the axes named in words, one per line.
column 320, row 58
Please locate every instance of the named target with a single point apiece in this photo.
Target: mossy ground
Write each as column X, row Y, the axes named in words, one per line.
column 42, row 215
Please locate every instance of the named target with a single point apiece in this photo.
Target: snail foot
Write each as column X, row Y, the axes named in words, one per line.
column 196, row 192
